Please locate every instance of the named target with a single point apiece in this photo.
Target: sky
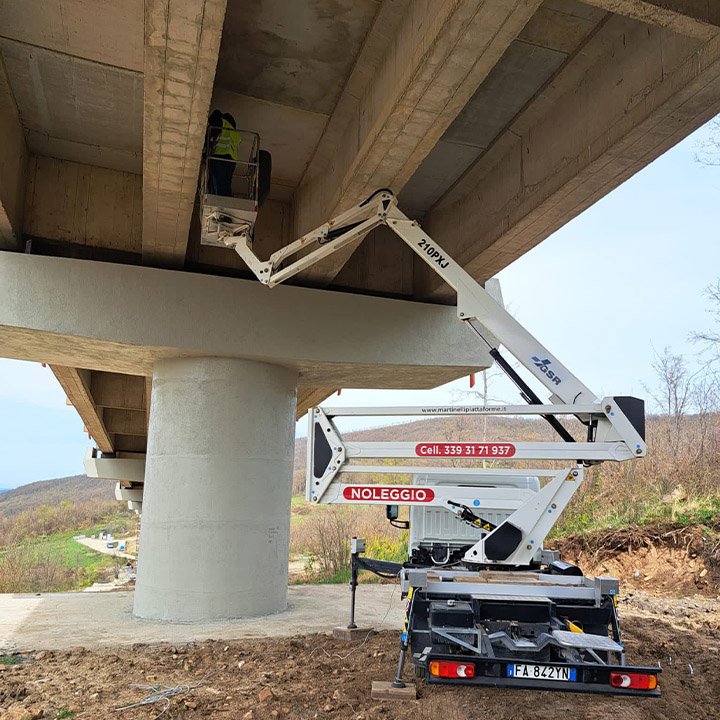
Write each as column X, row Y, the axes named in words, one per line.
column 606, row 292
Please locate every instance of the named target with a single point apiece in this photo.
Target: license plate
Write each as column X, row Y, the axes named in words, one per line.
column 542, row 672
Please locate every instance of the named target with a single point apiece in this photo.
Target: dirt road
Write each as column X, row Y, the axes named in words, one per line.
column 101, row 547
column 313, row 676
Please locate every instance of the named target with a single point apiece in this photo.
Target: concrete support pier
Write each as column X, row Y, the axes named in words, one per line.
column 216, row 507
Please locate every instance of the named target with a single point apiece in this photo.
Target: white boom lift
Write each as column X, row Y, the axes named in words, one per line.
column 491, row 608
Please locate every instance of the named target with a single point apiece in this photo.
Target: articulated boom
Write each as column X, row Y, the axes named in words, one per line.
column 615, row 425
column 474, row 305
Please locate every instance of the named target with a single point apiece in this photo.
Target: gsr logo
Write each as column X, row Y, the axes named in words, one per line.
column 544, row 365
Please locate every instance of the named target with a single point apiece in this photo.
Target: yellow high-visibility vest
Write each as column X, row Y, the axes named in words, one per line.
column 228, row 142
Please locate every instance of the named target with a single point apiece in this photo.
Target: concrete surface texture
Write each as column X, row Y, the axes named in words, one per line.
column 62, row 621
column 216, row 503
column 121, row 318
column 13, row 159
column 83, row 204
column 182, row 39
column 93, row 48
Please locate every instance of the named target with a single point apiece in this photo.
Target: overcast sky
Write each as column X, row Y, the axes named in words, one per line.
column 623, row 279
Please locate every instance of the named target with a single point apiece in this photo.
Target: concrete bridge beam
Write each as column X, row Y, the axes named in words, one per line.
column 124, row 319
column 633, row 93
column 692, row 18
column 13, row 159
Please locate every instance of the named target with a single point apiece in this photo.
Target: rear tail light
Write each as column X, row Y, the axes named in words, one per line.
column 449, row 669
column 634, row 681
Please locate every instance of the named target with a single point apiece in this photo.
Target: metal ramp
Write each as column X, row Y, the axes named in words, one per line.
column 582, row 641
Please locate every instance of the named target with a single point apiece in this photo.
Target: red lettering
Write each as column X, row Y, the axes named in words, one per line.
column 399, row 494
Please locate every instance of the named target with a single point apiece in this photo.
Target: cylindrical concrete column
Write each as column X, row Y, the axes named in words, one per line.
column 216, row 505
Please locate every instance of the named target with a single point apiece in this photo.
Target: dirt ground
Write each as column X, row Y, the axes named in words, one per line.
column 315, row 676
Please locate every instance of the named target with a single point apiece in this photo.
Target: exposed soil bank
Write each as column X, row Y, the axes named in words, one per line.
column 667, row 560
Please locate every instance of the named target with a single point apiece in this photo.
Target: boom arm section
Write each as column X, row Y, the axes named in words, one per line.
column 514, row 541
column 615, row 424
column 474, row 305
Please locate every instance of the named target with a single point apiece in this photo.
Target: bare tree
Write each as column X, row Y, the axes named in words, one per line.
column 458, row 429
column 706, row 400
column 707, row 152
column 674, row 393
column 710, row 339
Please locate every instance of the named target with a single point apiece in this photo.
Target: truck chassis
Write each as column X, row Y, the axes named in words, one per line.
column 520, row 630
column 550, row 628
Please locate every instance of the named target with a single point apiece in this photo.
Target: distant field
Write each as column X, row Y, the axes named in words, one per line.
column 37, row 525
column 70, row 552
column 56, row 562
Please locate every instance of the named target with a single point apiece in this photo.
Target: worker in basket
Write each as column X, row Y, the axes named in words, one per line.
column 223, row 145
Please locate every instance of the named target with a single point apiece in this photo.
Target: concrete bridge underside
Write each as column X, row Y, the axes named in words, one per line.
column 495, row 121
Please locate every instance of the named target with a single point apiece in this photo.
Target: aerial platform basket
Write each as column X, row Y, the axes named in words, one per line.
column 226, row 216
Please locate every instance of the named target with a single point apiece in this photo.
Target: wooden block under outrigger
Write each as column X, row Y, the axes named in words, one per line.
column 352, row 634
column 382, row 690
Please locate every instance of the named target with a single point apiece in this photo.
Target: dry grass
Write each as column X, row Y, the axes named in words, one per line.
column 694, row 540
column 38, row 554
column 23, row 569
column 678, row 481
column 50, row 519
column 323, row 536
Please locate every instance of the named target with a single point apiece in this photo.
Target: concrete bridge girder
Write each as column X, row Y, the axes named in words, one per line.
column 123, row 319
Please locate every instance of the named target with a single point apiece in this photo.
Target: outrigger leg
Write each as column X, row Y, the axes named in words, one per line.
column 398, row 689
